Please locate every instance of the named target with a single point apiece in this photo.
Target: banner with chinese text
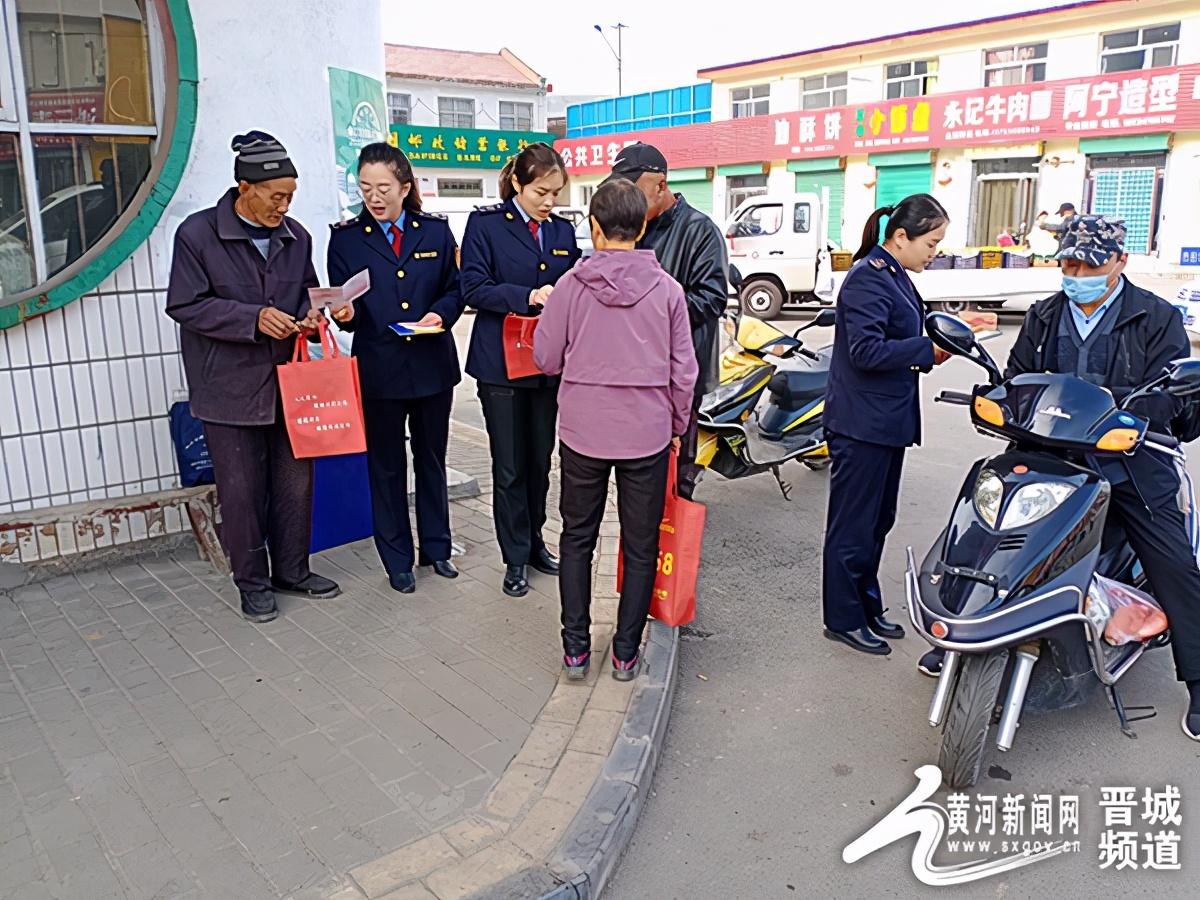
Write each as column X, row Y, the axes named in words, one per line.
column 359, row 114
column 461, row 148
column 1143, row 102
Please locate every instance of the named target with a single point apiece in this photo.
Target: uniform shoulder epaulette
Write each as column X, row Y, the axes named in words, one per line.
column 433, row 215
column 346, row 223
column 877, row 263
column 494, row 208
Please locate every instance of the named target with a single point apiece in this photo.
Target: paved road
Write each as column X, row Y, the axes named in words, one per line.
column 783, row 747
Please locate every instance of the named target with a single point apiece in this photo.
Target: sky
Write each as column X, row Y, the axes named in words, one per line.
column 662, row 47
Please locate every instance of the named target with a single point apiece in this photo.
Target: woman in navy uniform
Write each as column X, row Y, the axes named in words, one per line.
column 414, row 278
column 512, row 255
column 873, row 412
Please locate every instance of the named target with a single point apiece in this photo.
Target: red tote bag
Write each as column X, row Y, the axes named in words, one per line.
column 680, row 537
column 322, row 403
column 518, row 346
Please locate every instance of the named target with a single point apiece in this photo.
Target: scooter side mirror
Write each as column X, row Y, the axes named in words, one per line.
column 824, row 319
column 1183, row 378
column 956, row 337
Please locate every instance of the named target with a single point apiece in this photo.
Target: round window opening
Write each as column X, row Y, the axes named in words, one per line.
column 87, row 91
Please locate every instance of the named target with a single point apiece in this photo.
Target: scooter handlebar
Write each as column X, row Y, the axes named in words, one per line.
column 955, row 398
column 1166, row 440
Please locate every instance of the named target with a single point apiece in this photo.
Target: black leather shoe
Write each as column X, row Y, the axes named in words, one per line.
column 259, row 606
column 1191, row 725
column 931, row 663
column 445, row 568
column 404, row 582
column 862, row 641
column 882, row 628
column 516, row 583
column 314, row 587
column 545, row 562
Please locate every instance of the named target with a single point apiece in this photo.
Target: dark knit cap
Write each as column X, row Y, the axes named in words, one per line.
column 260, row 158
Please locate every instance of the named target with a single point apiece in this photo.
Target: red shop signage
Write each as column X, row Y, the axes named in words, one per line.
column 1143, row 102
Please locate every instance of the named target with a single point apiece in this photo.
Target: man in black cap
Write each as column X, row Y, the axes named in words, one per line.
column 1066, row 212
column 689, row 246
column 239, row 284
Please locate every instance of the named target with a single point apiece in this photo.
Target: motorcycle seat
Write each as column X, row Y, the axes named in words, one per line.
column 794, row 389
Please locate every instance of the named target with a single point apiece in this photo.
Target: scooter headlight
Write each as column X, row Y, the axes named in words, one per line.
column 989, row 491
column 1033, row 501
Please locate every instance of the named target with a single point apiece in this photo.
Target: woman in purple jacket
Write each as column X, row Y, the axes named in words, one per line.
column 617, row 330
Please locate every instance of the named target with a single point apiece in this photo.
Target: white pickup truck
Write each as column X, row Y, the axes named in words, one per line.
column 778, row 244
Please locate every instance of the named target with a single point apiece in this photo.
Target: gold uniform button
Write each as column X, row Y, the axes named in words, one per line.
column 404, row 306
column 408, row 339
column 368, row 229
column 416, row 224
column 399, row 273
column 542, row 266
column 508, row 216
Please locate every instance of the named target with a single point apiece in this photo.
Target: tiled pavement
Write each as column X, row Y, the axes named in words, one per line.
column 155, row 745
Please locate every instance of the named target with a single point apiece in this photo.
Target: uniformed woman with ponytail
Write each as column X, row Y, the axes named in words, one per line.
column 407, row 380
column 512, row 255
column 873, row 412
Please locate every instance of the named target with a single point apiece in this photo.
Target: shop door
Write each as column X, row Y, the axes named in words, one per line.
column 1002, row 197
column 894, row 183
column 698, row 194
column 1128, row 187
column 831, row 188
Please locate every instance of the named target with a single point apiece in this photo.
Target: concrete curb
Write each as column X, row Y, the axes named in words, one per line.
column 592, row 846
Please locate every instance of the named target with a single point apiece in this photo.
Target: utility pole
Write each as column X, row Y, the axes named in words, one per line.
column 619, row 27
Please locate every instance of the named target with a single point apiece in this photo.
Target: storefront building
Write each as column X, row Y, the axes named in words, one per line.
column 107, row 142
column 1097, row 104
column 459, row 115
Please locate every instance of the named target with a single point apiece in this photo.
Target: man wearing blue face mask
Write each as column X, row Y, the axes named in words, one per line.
column 1110, row 332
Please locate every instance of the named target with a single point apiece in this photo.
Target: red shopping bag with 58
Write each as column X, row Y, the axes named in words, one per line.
column 322, row 403
column 680, row 539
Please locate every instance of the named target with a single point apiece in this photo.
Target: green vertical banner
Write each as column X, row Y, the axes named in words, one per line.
column 359, row 118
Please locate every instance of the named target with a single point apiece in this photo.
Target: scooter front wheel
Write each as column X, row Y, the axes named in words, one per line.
column 971, row 708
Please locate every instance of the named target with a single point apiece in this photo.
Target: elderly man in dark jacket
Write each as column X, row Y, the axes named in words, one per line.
column 239, row 290
column 1107, row 330
column 690, row 248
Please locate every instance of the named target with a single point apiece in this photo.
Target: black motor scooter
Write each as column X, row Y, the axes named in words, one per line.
column 1007, row 588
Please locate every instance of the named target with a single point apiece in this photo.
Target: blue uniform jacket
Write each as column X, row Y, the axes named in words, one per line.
column 424, row 278
column 879, row 349
column 501, row 264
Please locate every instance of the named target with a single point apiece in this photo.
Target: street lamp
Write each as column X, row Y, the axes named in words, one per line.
column 615, row 52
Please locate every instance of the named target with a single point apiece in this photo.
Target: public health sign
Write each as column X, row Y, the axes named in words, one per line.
column 462, row 148
column 1143, row 102
column 359, row 117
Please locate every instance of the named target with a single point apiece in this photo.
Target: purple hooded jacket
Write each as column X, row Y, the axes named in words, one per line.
column 616, row 328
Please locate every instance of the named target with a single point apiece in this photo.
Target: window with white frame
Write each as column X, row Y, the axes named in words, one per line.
column 78, row 129
column 1139, row 48
column 1018, row 64
column 399, row 108
column 456, row 112
column 460, row 187
column 516, row 116
column 754, row 100
column 910, row 79
column 822, row 91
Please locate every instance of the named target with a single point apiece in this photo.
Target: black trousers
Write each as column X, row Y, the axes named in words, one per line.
column 864, row 487
column 641, row 489
column 520, row 427
column 266, row 503
column 387, row 469
column 689, row 472
column 1159, row 538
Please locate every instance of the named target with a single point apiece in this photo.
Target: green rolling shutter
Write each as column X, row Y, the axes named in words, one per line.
column 897, row 182
column 834, row 181
column 697, row 193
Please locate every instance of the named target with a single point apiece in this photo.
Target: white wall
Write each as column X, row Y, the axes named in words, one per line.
column 953, row 167
column 860, row 199
column 959, row 71
column 1063, row 183
column 92, row 381
column 1180, row 220
column 424, row 103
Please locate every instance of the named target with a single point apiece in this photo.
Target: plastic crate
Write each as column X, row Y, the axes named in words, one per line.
column 1017, row 260
column 941, row 261
column 970, row 261
column 840, row 260
column 991, row 259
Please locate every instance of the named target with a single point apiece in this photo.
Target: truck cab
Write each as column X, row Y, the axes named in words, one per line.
column 776, row 241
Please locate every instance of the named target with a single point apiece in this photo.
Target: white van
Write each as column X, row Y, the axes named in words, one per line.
column 777, row 243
